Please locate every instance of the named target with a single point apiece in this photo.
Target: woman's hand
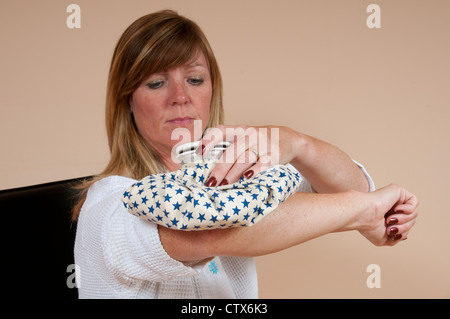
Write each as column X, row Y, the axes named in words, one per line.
column 393, row 214
column 252, row 150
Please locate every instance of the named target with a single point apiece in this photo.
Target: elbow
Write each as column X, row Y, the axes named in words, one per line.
column 190, row 246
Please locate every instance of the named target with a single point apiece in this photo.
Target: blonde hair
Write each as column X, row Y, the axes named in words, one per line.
column 153, row 43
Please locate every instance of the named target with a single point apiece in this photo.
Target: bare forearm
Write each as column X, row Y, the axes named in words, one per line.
column 326, row 167
column 302, row 217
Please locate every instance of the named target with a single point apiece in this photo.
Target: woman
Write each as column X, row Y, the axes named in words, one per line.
column 164, row 76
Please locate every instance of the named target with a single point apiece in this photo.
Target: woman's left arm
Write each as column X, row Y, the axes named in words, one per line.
column 327, row 168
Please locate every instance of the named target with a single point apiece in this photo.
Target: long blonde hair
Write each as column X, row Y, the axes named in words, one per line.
column 153, row 43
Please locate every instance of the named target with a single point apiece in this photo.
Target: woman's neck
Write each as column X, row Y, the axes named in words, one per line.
column 167, row 161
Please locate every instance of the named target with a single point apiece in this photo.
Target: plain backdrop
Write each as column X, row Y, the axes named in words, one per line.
column 382, row 95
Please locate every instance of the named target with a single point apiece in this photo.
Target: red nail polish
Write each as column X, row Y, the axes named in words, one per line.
column 393, row 231
column 397, row 237
column 223, row 182
column 211, row 182
column 392, row 221
column 249, row 174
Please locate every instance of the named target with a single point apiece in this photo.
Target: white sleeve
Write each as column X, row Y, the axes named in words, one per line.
column 130, row 247
column 133, row 250
column 305, row 186
column 366, row 174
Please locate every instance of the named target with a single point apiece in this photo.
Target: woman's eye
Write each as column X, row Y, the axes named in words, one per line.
column 195, row 81
column 155, row 84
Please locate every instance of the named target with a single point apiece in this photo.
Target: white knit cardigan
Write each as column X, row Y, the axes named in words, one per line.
column 119, row 255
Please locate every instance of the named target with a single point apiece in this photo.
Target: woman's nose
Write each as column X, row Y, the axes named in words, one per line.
column 178, row 94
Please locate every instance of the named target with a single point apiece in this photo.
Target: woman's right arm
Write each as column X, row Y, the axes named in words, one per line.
column 300, row 218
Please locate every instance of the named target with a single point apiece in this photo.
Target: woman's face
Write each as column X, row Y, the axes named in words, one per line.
column 172, row 99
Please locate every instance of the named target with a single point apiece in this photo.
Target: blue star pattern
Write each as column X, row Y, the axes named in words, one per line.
column 180, row 199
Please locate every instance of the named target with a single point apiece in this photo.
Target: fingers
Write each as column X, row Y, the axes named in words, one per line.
column 400, row 231
column 403, row 218
column 247, row 165
column 238, row 135
column 263, row 163
column 239, row 170
column 407, row 203
column 229, row 171
column 400, row 218
column 407, row 208
column 399, row 208
column 241, row 158
column 399, row 224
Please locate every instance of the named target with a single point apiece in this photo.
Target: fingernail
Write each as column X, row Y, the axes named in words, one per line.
column 223, row 182
column 397, row 237
column 392, row 221
column 393, row 231
column 249, row 174
column 211, row 182
column 200, row 150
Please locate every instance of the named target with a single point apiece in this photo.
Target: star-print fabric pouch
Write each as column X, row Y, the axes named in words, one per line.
column 180, row 199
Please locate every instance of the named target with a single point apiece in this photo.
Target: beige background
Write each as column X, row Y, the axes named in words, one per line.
column 381, row 95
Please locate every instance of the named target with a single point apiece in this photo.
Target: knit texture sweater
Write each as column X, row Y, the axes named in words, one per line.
column 121, row 256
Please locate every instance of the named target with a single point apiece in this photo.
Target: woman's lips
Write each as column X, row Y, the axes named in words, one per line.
column 181, row 120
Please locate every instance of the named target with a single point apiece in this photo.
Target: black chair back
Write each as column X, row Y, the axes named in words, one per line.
column 38, row 238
